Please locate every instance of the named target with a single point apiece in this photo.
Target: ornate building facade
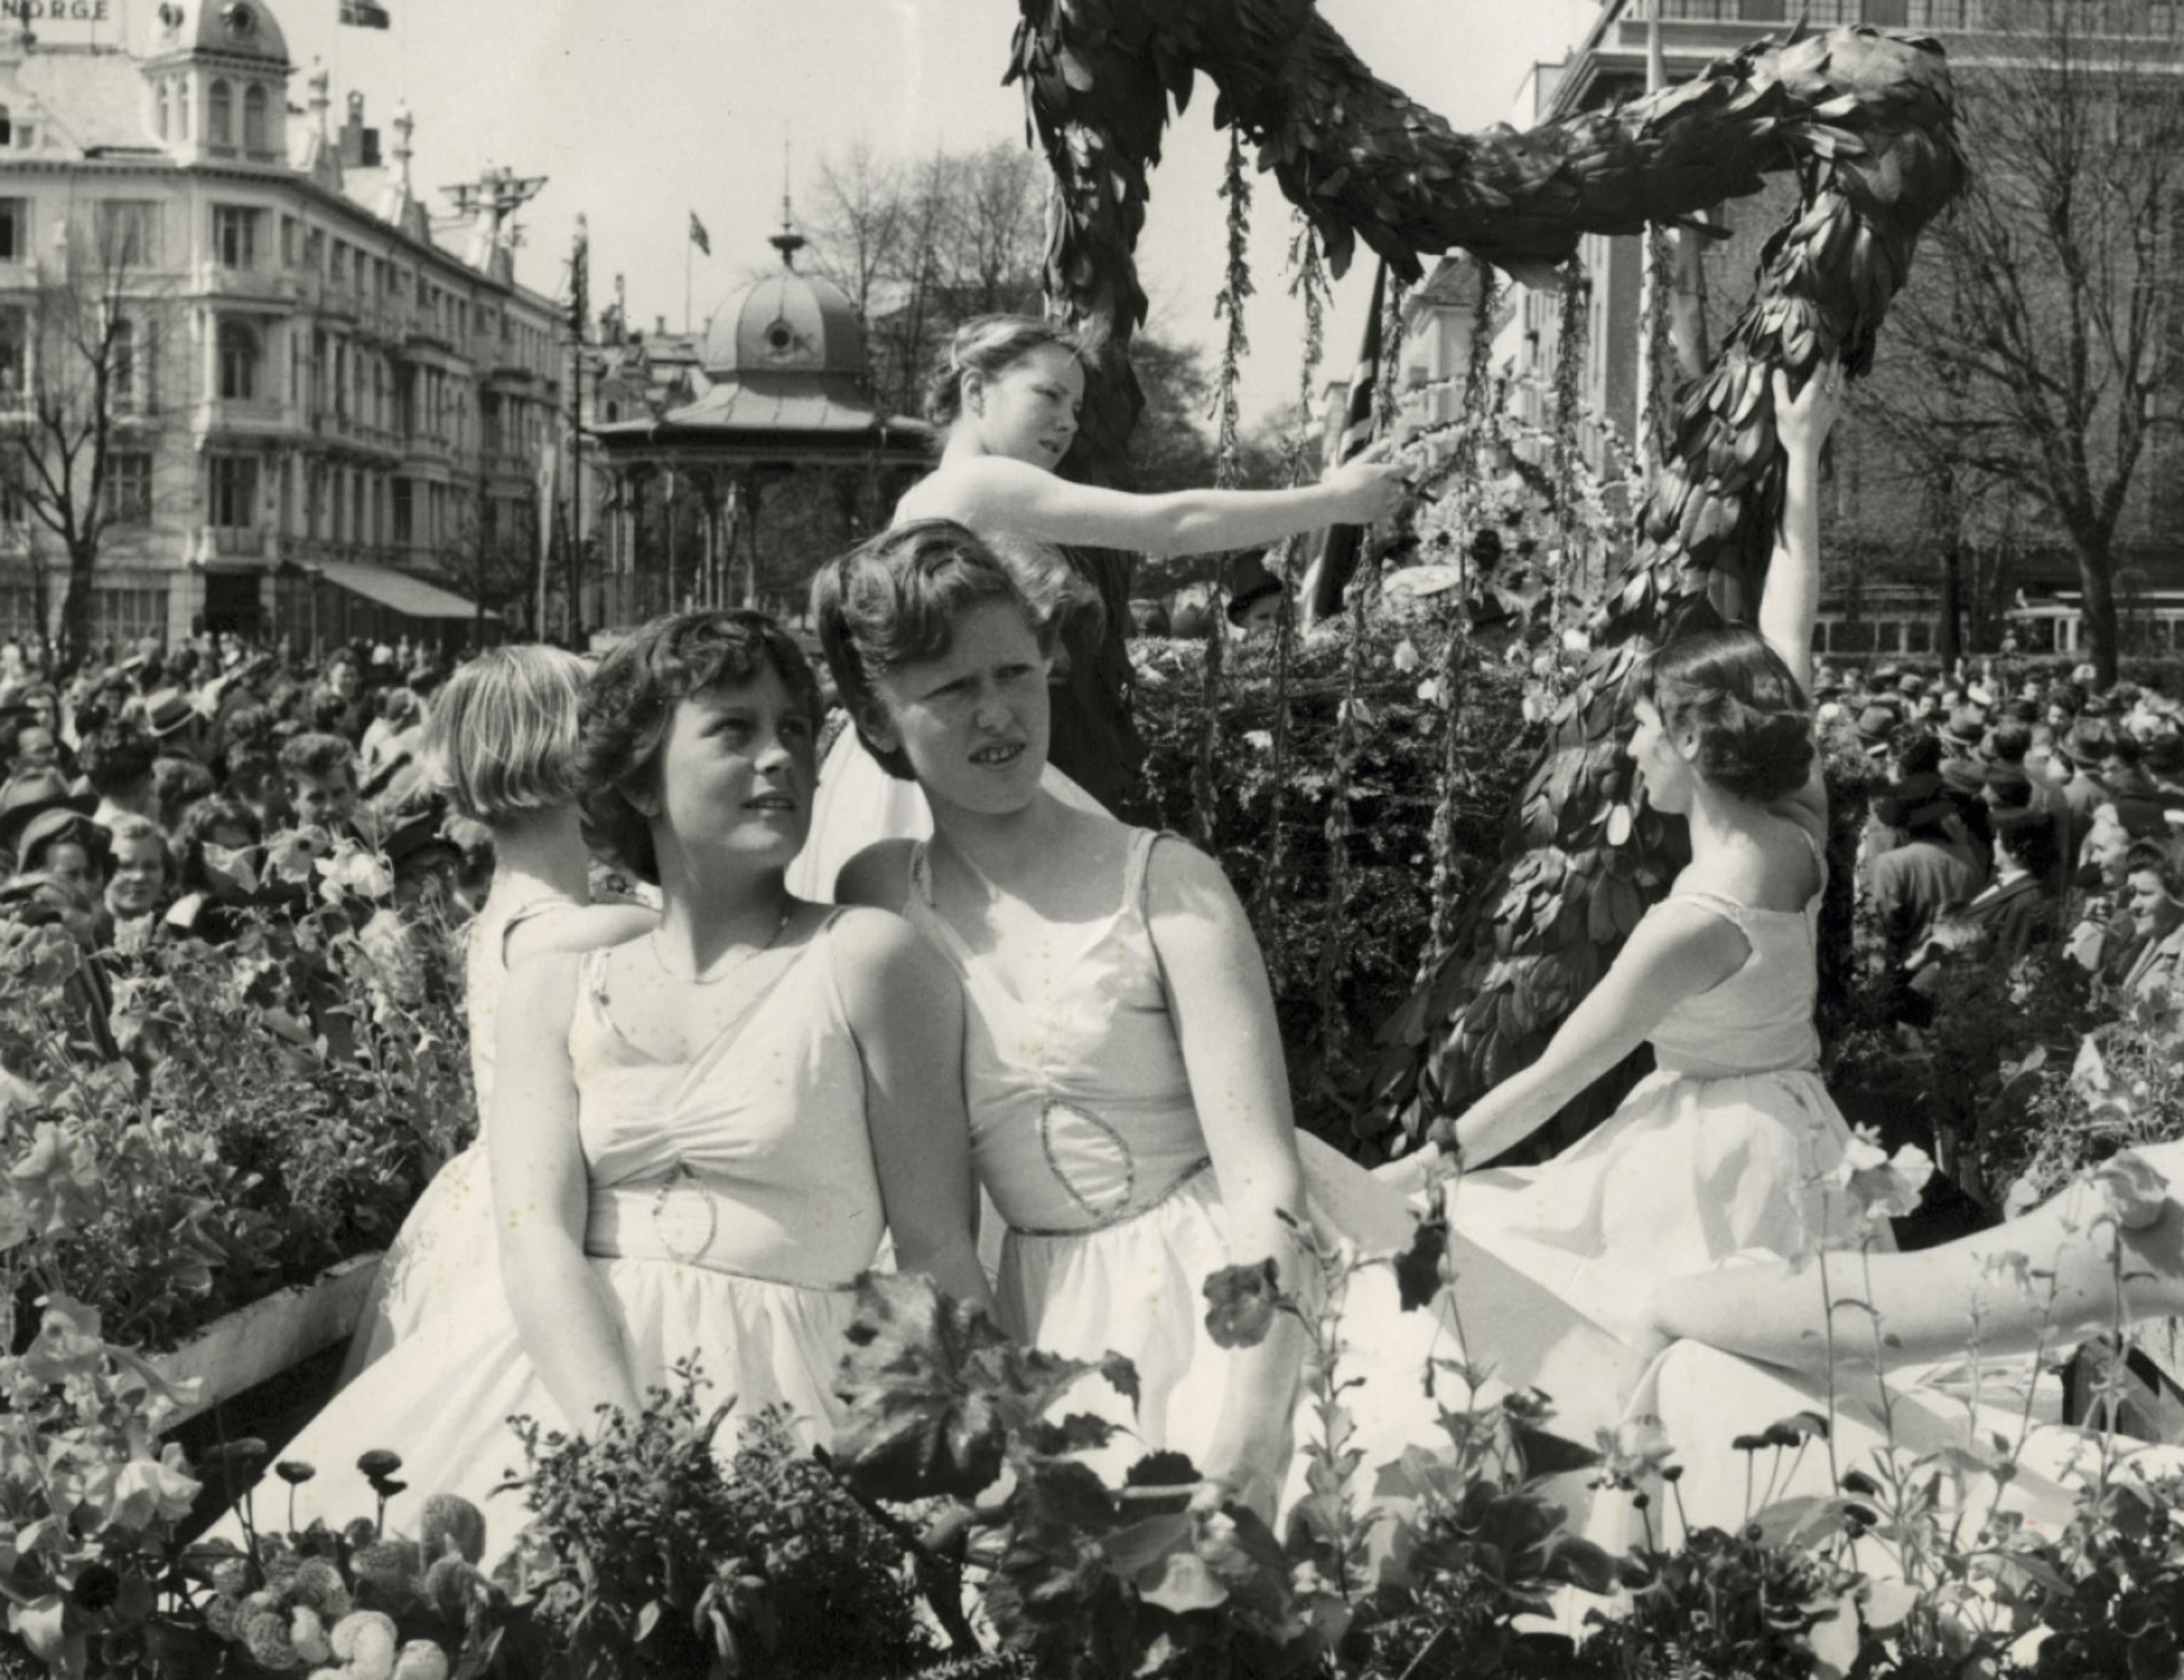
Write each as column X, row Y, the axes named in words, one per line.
column 322, row 411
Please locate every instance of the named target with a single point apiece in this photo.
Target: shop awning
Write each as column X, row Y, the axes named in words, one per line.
column 397, row 591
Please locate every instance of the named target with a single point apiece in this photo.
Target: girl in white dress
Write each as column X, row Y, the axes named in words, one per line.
column 1009, row 393
column 1723, row 1149
column 1129, row 1107
column 697, row 1136
column 502, row 742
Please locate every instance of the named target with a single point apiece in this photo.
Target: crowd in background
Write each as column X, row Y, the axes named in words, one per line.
column 137, row 798
column 2018, row 817
column 137, row 795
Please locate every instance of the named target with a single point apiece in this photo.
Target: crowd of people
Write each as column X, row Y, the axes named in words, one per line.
column 2045, row 816
column 135, row 795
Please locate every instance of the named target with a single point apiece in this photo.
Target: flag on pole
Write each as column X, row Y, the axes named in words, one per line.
column 1330, row 572
column 699, row 236
column 365, row 15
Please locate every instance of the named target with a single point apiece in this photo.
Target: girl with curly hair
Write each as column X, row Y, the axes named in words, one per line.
column 1724, row 1147
column 697, row 1136
column 1130, row 1114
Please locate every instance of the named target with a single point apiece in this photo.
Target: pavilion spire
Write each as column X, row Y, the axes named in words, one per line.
column 789, row 241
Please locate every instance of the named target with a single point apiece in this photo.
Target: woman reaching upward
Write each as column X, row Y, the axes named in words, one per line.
column 1007, row 396
column 1722, row 1149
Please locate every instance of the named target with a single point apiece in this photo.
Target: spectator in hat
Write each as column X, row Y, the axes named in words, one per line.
column 2082, row 750
column 1876, row 730
column 2065, row 702
column 26, row 797
column 1255, row 597
column 67, row 846
column 173, row 723
column 1910, row 884
column 2153, row 872
column 1964, row 732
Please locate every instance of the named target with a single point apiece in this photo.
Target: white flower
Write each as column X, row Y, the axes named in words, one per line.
column 1880, row 1185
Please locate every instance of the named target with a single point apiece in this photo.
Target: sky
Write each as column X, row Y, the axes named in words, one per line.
column 641, row 112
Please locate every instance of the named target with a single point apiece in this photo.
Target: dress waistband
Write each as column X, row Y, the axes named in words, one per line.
column 1121, row 1216
column 673, row 1218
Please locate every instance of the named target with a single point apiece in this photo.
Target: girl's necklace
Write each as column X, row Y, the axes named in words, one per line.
column 652, row 940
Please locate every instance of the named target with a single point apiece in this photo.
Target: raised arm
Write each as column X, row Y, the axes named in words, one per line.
column 1791, row 600
column 993, row 493
column 1224, row 1008
column 1677, row 952
column 905, row 1009
column 569, row 1324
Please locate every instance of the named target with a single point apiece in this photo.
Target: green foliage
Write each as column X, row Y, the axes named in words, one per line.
column 1395, row 788
column 653, row 1552
column 281, row 1100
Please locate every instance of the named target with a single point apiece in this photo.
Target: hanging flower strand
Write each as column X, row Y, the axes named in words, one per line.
column 1236, row 286
column 1336, row 936
column 1480, row 408
column 1300, row 457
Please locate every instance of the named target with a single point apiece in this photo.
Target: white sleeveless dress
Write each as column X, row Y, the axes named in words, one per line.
column 730, row 1217
column 1722, row 1149
column 445, row 1247
column 1084, row 1136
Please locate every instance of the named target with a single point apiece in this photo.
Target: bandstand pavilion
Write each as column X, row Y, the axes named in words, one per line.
column 783, row 417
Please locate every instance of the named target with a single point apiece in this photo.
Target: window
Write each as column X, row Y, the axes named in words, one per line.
column 183, row 108
column 405, row 512
column 238, row 362
column 121, row 367
column 219, row 115
column 1887, row 14
column 7, row 128
column 15, row 230
column 14, row 356
column 235, row 492
column 128, row 232
column 159, row 114
column 125, row 615
column 234, row 236
column 288, row 242
column 254, row 121
column 129, row 488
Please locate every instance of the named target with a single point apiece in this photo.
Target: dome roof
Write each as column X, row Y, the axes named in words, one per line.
column 238, row 29
column 788, row 322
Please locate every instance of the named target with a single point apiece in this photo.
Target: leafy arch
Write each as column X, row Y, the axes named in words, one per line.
column 1866, row 122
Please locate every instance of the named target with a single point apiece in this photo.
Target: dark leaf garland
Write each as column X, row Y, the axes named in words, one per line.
column 1865, row 120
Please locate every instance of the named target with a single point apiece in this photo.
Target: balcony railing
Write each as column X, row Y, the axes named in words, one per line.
column 238, row 540
column 2108, row 17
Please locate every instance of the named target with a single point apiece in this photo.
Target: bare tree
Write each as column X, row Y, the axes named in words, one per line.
column 922, row 247
column 2041, row 345
column 80, row 361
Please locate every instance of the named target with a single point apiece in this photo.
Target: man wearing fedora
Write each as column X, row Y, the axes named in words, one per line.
column 1255, row 597
column 1909, row 884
